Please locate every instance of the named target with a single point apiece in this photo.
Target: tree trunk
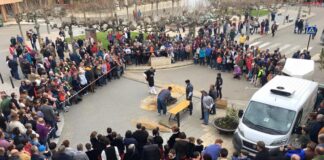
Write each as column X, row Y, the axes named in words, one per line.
column 20, row 30
column 71, row 37
column 84, row 16
column 38, row 32
column 157, row 8
column 309, row 9
column 299, row 11
column 172, row 7
column 152, row 9
column 48, row 28
column 127, row 12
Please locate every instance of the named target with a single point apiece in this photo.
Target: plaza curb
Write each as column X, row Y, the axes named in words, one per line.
column 143, row 68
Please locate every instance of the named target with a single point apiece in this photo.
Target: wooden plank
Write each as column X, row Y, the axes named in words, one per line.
column 179, row 107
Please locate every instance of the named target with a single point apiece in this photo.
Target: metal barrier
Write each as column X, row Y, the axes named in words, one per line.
column 12, row 84
column 1, row 78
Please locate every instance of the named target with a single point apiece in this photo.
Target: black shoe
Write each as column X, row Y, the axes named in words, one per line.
column 201, row 118
column 56, row 137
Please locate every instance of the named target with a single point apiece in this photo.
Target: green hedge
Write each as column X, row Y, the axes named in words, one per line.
column 102, row 36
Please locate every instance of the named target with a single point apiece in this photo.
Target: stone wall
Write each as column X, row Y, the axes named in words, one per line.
column 160, row 61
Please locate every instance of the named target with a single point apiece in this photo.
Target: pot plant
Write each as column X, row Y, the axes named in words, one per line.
column 229, row 123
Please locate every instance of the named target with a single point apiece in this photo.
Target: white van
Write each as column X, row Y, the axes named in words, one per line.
column 300, row 68
column 274, row 112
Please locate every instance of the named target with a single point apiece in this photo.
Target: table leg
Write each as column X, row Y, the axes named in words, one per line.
column 178, row 119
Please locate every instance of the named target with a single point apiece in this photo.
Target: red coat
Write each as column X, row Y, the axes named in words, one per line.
column 248, row 61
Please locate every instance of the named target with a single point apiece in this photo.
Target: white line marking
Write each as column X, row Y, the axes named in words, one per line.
column 255, row 43
column 284, row 47
column 264, row 44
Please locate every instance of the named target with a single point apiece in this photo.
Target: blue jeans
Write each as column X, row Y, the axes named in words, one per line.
column 15, row 74
column 161, row 106
column 206, row 116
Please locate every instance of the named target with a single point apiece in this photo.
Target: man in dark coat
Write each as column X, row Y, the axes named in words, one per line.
column 263, row 153
column 181, row 146
column 175, row 134
column 60, row 50
column 315, row 128
column 13, row 65
column 189, row 93
column 141, row 136
column 151, row 152
column 49, row 116
column 149, row 74
column 61, row 154
column 218, row 84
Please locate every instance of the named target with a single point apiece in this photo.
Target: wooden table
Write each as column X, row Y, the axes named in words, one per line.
column 176, row 110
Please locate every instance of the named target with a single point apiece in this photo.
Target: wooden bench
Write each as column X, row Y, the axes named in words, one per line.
column 177, row 109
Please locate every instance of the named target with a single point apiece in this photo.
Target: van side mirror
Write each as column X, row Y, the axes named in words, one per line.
column 240, row 113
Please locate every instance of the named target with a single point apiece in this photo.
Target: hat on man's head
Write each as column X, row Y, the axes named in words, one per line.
column 187, row 81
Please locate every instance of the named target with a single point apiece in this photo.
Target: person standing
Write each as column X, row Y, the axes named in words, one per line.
column 208, row 103
column 274, row 28
column 149, row 74
column 219, row 84
column 13, row 65
column 110, row 152
column 263, row 153
column 189, row 94
column 163, row 96
column 213, row 93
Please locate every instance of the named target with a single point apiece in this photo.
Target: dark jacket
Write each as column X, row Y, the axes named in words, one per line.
column 189, row 90
column 219, row 82
column 141, row 138
column 48, row 112
column 262, row 155
column 151, row 152
column 150, row 77
column 60, row 156
column 93, row 154
column 181, row 147
column 171, row 140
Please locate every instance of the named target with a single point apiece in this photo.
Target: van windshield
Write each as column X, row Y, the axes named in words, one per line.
column 268, row 119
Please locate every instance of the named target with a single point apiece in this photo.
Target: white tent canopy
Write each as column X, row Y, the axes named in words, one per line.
column 299, row 68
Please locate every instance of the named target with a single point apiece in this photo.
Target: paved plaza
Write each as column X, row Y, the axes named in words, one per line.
column 119, row 104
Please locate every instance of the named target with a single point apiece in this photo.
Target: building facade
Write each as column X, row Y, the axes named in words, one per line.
column 9, row 7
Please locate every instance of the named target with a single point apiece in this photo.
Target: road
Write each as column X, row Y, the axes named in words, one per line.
column 288, row 42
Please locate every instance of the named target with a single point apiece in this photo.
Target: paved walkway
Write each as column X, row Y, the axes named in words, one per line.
column 280, row 17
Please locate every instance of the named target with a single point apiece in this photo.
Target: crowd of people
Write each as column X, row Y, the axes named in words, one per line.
column 52, row 82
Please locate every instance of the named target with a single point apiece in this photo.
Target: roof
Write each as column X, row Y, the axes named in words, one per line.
column 300, row 68
column 302, row 90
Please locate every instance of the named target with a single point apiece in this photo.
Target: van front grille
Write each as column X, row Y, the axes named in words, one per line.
column 250, row 146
